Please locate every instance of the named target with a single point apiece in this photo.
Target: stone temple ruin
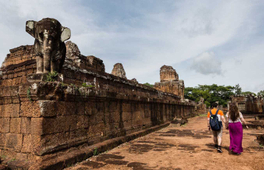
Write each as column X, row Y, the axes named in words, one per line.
column 249, row 104
column 49, row 120
column 169, row 82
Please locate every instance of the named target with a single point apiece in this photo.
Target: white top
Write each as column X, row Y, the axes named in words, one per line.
column 238, row 119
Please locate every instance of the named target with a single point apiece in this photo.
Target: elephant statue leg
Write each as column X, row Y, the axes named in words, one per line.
column 47, row 52
column 39, row 59
column 52, row 66
column 46, row 63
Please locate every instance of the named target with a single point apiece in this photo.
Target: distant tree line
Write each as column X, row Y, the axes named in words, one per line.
column 213, row 93
column 150, row 85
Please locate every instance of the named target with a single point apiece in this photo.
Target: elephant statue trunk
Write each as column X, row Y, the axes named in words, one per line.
column 49, row 46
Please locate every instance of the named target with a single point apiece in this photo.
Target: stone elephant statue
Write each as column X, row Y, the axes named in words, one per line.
column 49, row 46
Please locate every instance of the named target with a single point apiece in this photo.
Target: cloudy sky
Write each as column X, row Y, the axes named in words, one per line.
column 206, row 41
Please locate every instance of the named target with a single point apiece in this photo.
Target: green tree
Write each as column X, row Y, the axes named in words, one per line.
column 147, row 84
column 261, row 93
column 248, row 93
column 210, row 93
column 238, row 90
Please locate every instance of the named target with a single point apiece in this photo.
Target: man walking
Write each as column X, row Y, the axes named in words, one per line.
column 215, row 118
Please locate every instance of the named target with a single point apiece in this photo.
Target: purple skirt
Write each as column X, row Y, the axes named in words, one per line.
column 236, row 136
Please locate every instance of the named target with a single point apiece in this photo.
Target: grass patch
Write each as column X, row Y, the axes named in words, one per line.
column 52, row 76
column 95, row 152
column 87, row 85
column 63, row 84
column 29, row 94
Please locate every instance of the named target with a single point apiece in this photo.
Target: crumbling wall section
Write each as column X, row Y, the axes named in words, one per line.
column 254, row 104
column 241, row 102
column 75, row 58
column 17, row 65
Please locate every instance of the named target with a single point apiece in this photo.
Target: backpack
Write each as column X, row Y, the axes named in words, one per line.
column 214, row 122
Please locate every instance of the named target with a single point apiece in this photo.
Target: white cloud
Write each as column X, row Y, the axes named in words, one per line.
column 207, row 63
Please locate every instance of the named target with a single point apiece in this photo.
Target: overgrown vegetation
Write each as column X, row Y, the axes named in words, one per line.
column 29, row 94
column 95, row 152
column 63, row 84
column 213, row 93
column 52, row 76
column 87, row 85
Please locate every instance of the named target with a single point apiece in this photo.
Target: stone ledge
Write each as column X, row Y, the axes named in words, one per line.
column 68, row 158
column 43, row 77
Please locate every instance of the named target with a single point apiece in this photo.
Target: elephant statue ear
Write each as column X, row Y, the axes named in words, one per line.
column 65, row 34
column 30, row 27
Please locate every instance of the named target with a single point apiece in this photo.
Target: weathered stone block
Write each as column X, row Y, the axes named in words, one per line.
column 36, row 144
column 90, row 108
column 9, row 91
column 15, row 125
column 9, row 110
column 37, row 126
column 79, row 135
column 27, row 147
column 51, row 142
column 97, row 129
column 82, row 121
column 66, row 108
column 127, row 124
column 126, row 116
column 2, row 140
column 49, row 125
column 126, row 107
column 48, row 108
column 80, row 108
column 137, row 118
column 21, row 156
column 4, row 125
column 30, row 109
column 70, row 123
column 59, row 124
column 14, row 141
column 25, row 125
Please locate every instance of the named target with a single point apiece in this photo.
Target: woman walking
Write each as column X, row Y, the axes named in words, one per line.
column 235, row 119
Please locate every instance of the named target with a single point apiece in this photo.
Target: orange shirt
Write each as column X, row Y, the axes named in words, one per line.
column 220, row 113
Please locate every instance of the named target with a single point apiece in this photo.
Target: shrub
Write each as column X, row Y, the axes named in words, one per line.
column 52, row 76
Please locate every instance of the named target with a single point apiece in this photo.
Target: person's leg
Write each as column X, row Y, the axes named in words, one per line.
column 231, row 134
column 219, row 139
column 215, row 139
column 238, row 138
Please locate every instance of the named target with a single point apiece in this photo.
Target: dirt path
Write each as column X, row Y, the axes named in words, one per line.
column 179, row 148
